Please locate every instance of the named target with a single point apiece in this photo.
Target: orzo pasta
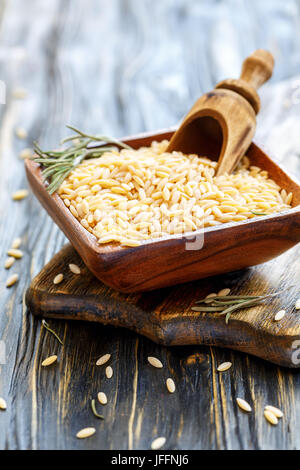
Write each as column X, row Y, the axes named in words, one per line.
column 132, row 195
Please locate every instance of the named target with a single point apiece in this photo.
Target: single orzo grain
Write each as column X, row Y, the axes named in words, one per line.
column 21, row 133
column 243, row 404
column 158, row 443
column 155, row 362
column 279, row 315
column 170, row 384
column 9, row 262
column 102, row 398
column 3, row 404
column 270, row 417
column 15, row 253
column 74, row 268
column 109, row 372
column 103, row 359
column 16, row 243
column 85, row 432
column 19, row 93
column 25, row 153
column 49, row 360
column 224, row 366
column 225, row 292
column 58, row 278
column 12, row 280
column 20, row 194
column 209, row 297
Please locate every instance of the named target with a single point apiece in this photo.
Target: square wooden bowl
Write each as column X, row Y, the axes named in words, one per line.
column 166, row 261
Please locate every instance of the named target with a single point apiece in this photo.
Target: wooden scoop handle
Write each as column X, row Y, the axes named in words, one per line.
column 257, row 68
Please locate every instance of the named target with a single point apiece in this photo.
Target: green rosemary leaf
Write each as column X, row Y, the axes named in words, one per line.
column 258, row 213
column 208, row 309
column 57, row 181
column 95, row 412
column 97, row 152
column 229, row 297
column 45, row 325
column 58, row 164
column 228, row 315
column 245, row 303
column 100, row 138
column 230, row 302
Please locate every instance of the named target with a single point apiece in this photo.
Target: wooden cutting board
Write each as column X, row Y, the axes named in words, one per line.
column 165, row 315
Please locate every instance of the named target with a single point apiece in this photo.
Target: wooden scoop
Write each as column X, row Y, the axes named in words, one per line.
column 222, row 123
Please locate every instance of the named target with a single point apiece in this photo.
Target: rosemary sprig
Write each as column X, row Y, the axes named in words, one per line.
column 226, row 298
column 230, row 303
column 95, row 412
column 45, row 325
column 58, row 164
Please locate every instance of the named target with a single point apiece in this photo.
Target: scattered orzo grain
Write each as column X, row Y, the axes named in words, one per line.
column 224, row 366
column 74, row 268
column 19, row 93
column 132, row 195
column 270, row 417
column 21, row 133
column 103, row 359
column 297, row 304
column 16, row 243
column 58, row 278
column 225, row 291
column 208, row 297
column 243, row 405
column 155, row 362
column 15, row 253
column 158, row 443
column 85, row 432
column 276, row 411
column 9, row 262
column 3, row 404
column 102, row 398
column 109, row 372
column 279, row 315
column 286, row 103
column 20, row 194
column 25, row 153
column 12, row 280
column 49, row 360
column 170, row 385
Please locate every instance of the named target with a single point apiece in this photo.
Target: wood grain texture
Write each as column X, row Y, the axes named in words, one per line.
column 168, row 320
column 123, row 68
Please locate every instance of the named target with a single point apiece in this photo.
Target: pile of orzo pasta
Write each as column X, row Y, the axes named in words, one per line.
column 132, row 195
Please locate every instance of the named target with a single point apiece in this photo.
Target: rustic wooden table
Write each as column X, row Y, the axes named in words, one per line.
column 122, row 67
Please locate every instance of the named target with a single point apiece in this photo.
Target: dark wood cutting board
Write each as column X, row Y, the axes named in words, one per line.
column 165, row 315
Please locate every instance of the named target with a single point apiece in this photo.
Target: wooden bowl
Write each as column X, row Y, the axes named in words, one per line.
column 166, row 261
